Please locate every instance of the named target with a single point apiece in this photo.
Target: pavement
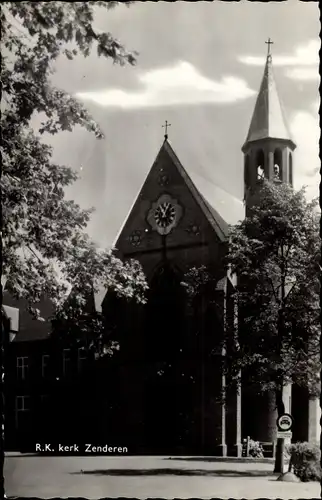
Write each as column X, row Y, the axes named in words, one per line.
column 147, row 477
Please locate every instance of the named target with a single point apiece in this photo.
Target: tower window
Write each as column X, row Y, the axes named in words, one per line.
column 260, row 165
column 278, row 165
column 290, row 167
column 276, row 172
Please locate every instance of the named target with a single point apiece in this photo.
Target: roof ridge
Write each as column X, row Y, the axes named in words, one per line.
column 203, row 203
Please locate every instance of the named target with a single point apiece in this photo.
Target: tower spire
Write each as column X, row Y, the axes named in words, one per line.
column 268, row 120
column 268, row 149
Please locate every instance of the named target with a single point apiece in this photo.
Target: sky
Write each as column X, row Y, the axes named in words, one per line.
column 199, row 66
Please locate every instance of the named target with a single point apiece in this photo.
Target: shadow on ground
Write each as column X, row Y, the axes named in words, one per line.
column 174, row 472
column 233, row 460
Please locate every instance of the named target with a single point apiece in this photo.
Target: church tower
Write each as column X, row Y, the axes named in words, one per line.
column 268, row 154
column 268, row 149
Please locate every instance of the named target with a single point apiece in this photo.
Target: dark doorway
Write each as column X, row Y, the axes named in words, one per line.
column 163, row 342
column 165, row 314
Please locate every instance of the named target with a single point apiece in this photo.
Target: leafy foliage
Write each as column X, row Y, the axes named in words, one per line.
column 275, row 254
column 44, row 248
column 305, row 458
column 274, row 337
column 255, row 449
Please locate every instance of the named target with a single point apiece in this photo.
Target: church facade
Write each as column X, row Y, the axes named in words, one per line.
column 161, row 392
column 171, row 382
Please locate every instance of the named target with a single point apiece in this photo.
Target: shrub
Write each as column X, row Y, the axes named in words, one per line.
column 305, row 460
column 255, row 449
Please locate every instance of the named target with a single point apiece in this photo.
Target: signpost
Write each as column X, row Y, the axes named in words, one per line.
column 284, row 425
column 284, row 434
column 284, row 422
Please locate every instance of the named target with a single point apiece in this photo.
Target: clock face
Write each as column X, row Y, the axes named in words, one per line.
column 165, row 214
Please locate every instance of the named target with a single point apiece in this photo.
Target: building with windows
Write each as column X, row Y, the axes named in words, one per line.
column 38, row 373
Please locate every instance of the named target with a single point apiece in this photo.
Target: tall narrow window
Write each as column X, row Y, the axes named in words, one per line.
column 278, row 171
column 44, row 365
column 260, row 165
column 22, row 411
column 290, row 167
column 66, row 362
column 22, row 367
column 82, row 357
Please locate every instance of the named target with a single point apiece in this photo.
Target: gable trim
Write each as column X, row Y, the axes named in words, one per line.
column 216, row 222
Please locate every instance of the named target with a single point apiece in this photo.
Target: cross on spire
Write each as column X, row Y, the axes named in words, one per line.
column 269, row 43
column 166, row 125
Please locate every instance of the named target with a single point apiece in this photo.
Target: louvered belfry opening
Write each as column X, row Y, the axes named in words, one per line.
column 260, row 165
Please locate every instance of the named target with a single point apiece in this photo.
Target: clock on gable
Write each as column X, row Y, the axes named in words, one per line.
column 164, row 214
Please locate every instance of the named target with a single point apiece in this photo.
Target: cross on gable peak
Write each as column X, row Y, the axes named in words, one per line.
column 165, row 126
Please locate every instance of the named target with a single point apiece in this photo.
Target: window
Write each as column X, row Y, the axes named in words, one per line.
column 44, row 365
column 66, row 361
column 278, row 170
column 22, row 367
column 260, row 173
column 22, row 411
column 290, row 166
column 260, row 165
column 82, row 357
column 22, row 403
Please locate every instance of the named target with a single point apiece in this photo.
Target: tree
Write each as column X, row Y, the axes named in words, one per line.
column 45, row 250
column 273, row 337
column 275, row 255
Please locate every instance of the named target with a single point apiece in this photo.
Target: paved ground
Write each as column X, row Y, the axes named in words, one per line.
column 146, row 477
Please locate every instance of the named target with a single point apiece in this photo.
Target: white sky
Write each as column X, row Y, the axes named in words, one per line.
column 199, row 66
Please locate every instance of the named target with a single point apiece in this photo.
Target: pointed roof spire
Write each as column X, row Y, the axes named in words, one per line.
column 268, row 120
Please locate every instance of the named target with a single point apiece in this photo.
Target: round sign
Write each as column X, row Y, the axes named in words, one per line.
column 285, row 422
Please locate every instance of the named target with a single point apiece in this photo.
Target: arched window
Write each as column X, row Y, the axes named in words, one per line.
column 278, row 171
column 290, row 168
column 247, row 178
column 164, row 313
column 260, row 165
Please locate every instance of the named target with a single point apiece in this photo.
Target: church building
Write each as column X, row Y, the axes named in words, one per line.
column 170, row 380
column 161, row 392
